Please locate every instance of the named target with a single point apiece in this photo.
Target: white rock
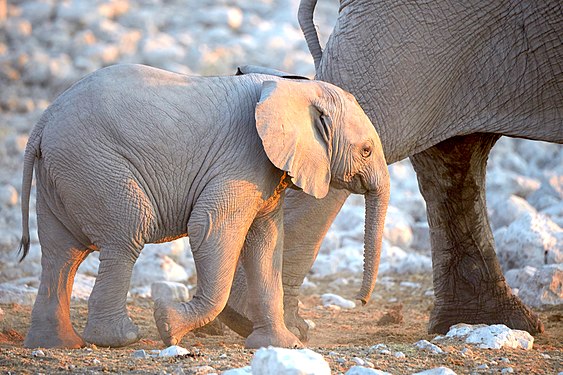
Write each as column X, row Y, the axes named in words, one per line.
column 158, row 50
column 495, row 336
column 82, row 287
column 428, row 346
column 139, row 354
column 399, row 355
column 150, row 268
column 38, row 353
column 360, row 370
column 395, row 260
column 398, row 228
column 504, row 212
column 8, row 196
column 169, row 291
column 288, row 361
column 437, row 371
column 532, row 240
column 421, row 237
column 173, row 351
column 18, row 294
column 202, row 370
column 538, row 287
column 247, row 370
column 336, row 300
column 555, row 213
column 90, row 265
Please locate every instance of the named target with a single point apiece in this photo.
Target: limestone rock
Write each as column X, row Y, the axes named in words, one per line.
column 495, row 336
column 288, row 361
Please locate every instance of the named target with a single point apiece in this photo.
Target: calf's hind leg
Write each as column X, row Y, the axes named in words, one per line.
column 61, row 254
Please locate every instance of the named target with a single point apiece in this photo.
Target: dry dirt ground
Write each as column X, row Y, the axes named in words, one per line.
column 339, row 335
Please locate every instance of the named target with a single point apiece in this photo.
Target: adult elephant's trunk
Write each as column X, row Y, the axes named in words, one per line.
column 305, row 17
column 376, row 208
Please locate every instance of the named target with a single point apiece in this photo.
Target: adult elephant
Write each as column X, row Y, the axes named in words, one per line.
column 441, row 82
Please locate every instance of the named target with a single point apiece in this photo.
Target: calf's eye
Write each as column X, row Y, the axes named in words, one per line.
column 366, row 151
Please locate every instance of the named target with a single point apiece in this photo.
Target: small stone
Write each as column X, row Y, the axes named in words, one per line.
column 38, row 353
column 223, row 356
column 139, row 354
column 377, row 347
column 437, row 371
column 507, row 370
column 359, row 361
column 329, row 299
column 466, row 352
column 359, row 370
column 399, row 355
column 173, row 351
column 310, row 323
column 426, row 345
column 505, row 360
column 385, row 352
column 202, row 370
column 545, row 355
column 180, row 371
column 341, row 360
column 484, row 366
column 96, row 361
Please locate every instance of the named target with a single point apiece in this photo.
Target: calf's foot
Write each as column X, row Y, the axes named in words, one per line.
column 281, row 337
column 111, row 332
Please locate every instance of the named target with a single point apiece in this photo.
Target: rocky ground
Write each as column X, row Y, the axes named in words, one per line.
column 46, row 45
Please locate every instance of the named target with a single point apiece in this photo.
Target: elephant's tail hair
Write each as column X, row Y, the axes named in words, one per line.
column 305, row 18
column 32, row 152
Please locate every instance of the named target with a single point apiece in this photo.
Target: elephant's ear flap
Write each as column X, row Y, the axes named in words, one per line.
column 289, row 124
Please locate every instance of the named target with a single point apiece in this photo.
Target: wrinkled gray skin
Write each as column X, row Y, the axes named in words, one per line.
column 441, row 82
column 133, row 155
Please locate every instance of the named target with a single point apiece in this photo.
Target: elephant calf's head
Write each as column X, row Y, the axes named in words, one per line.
column 319, row 134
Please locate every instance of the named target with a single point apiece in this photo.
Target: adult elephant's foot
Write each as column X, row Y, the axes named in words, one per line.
column 170, row 319
column 115, row 331
column 265, row 337
column 53, row 339
column 507, row 310
column 468, row 282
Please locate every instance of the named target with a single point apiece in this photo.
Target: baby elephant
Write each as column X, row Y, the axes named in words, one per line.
column 133, row 155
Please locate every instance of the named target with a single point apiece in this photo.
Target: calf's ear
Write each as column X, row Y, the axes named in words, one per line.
column 295, row 135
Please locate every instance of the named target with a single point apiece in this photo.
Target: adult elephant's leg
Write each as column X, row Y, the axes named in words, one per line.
column 306, row 221
column 469, row 286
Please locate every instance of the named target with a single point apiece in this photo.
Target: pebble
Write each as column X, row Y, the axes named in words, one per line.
column 437, row 371
column 38, row 353
column 139, row 354
column 330, row 299
column 359, row 370
column 359, row 361
column 399, row 355
column 173, row 351
column 428, row 346
column 507, row 370
column 96, row 361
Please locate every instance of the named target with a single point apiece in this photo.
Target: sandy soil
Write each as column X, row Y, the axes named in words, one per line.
column 339, row 335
